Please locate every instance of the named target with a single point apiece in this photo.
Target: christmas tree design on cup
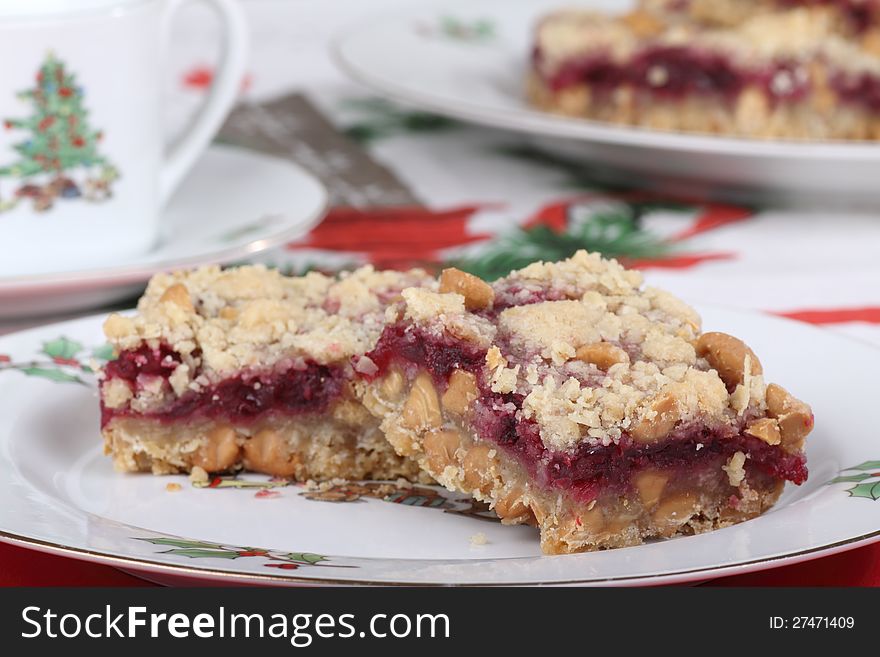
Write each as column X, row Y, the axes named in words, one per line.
column 59, row 158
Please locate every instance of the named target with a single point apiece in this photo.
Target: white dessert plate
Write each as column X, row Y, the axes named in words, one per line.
column 234, row 203
column 468, row 60
column 61, row 495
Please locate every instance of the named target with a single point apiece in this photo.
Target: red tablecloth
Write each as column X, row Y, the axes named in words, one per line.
column 22, row 567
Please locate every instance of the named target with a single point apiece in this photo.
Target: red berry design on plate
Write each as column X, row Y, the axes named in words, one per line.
column 283, row 566
column 5, row 359
column 252, row 553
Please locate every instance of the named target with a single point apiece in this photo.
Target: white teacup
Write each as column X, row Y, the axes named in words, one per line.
column 83, row 175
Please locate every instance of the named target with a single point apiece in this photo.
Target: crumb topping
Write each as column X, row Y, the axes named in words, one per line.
column 534, row 347
column 221, row 322
column 799, row 34
column 424, row 304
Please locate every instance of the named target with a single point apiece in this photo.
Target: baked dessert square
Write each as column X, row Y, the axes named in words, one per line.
column 787, row 74
column 248, row 369
column 570, row 396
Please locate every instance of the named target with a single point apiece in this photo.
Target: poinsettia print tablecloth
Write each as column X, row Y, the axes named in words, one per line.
column 409, row 188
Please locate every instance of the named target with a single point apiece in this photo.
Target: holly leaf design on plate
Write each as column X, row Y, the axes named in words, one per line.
column 62, row 348
column 203, row 554
column 52, row 374
column 856, row 477
column 183, row 543
column 867, row 465
column 869, row 490
column 305, row 557
column 477, row 30
column 104, row 352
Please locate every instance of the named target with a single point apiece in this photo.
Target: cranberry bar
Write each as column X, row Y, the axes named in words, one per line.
column 249, row 369
column 570, row 396
column 781, row 74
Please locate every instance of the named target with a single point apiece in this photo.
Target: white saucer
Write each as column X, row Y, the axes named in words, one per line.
column 233, row 204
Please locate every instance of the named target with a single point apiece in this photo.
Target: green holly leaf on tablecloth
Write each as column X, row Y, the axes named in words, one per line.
column 379, row 118
column 869, row 490
column 62, row 347
column 613, row 232
column 57, row 375
column 305, row 557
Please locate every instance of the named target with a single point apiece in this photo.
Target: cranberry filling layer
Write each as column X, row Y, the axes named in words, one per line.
column 670, row 71
column 293, row 390
column 863, row 88
column 592, row 468
column 673, row 72
column 439, row 355
column 589, row 470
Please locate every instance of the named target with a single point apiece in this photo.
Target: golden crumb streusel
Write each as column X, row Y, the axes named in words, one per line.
column 532, row 350
column 221, row 322
column 795, row 35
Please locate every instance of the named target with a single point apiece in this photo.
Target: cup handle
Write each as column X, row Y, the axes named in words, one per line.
column 222, row 95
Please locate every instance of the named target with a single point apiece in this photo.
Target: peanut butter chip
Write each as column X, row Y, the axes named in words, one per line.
column 179, row 296
column 767, row 429
column 602, row 354
column 728, row 356
column 422, row 407
column 642, row 23
column 476, row 292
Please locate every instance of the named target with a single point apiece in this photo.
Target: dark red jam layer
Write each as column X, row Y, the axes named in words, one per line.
column 863, row 88
column 589, row 470
column 684, row 70
column 673, row 72
column 403, row 345
column 310, row 388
